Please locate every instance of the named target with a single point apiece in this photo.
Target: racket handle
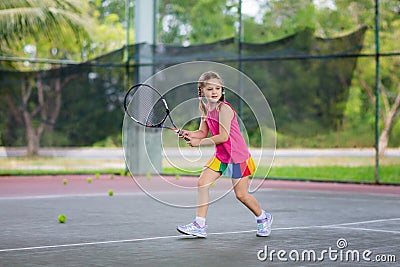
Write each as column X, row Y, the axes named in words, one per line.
column 179, row 133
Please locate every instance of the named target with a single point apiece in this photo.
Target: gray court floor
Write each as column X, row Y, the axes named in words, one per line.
column 310, row 229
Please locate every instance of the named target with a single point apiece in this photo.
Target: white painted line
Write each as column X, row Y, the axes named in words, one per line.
column 81, row 195
column 362, row 222
column 336, row 195
column 90, row 243
column 233, row 232
column 364, row 229
column 336, row 226
column 134, row 240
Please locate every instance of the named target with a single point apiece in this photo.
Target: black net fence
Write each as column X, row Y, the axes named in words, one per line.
column 305, row 79
column 308, row 81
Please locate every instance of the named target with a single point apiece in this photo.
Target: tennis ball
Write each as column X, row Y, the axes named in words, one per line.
column 148, row 176
column 110, row 193
column 89, row 180
column 122, row 173
column 97, row 175
column 177, row 177
column 61, row 218
column 213, row 184
column 65, row 181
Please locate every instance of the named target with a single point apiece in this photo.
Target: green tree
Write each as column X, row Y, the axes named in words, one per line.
column 34, row 21
column 37, row 19
column 346, row 17
column 340, row 17
column 278, row 19
column 106, row 10
column 184, row 22
column 390, row 80
column 109, row 25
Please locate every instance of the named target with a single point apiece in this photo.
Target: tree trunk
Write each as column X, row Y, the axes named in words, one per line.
column 32, row 138
column 383, row 141
column 47, row 107
column 33, row 134
column 32, row 143
column 388, row 124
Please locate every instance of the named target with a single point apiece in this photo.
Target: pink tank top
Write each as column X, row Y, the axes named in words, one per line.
column 235, row 149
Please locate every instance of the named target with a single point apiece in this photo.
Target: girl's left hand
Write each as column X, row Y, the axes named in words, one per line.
column 193, row 141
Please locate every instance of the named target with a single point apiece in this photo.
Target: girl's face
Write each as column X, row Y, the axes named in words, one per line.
column 212, row 90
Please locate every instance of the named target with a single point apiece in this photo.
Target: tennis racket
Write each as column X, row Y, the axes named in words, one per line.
column 146, row 106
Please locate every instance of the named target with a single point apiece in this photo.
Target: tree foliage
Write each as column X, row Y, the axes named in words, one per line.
column 50, row 20
column 81, row 30
column 195, row 21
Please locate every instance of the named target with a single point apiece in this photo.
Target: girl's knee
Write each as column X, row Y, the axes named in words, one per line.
column 242, row 197
column 207, row 177
column 203, row 182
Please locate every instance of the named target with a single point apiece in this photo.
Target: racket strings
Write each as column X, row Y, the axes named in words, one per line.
column 147, row 107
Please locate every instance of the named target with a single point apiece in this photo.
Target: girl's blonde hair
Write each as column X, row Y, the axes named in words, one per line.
column 204, row 78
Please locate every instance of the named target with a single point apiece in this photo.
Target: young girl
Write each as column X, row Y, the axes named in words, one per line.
column 232, row 157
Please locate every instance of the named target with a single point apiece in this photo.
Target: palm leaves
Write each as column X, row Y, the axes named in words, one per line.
column 49, row 19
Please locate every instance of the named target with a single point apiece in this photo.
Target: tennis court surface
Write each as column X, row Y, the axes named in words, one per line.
column 314, row 224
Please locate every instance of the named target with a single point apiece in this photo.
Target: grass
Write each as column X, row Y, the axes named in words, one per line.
column 361, row 174
column 58, row 163
column 389, row 174
column 357, row 170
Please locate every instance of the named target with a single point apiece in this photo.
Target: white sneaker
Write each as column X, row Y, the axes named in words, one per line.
column 264, row 225
column 193, row 229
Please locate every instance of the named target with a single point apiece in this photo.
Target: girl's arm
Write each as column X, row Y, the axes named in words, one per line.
column 225, row 117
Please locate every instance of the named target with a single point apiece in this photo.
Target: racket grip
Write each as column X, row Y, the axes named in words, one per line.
column 179, row 133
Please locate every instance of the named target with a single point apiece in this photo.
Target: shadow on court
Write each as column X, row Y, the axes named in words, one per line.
column 314, row 224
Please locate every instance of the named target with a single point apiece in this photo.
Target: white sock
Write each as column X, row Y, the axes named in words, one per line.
column 262, row 216
column 201, row 221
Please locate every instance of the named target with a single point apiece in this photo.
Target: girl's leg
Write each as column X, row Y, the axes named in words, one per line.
column 198, row 227
column 264, row 220
column 207, row 177
column 240, row 186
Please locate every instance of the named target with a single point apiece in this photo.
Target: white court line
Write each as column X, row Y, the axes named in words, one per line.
column 84, row 195
column 339, row 195
column 336, row 226
column 371, row 221
column 334, row 195
column 364, row 229
column 138, row 239
column 90, row 243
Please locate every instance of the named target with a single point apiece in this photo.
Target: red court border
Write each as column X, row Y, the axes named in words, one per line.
column 53, row 185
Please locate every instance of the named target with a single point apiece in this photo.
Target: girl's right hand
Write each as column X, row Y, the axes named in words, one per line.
column 185, row 133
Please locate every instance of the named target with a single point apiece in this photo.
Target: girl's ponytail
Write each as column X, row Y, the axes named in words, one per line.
column 203, row 108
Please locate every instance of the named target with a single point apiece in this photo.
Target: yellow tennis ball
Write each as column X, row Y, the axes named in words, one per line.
column 65, row 181
column 213, row 184
column 62, row 218
column 110, row 193
column 177, row 177
column 97, row 175
column 89, row 180
column 148, row 176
